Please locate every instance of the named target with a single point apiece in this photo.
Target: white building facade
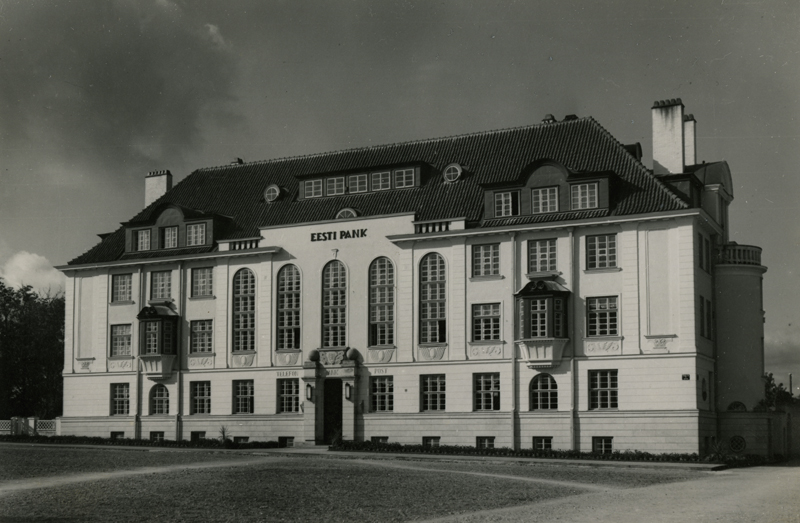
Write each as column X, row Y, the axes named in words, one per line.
column 527, row 288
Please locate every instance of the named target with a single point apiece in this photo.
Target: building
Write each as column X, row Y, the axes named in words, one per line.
column 529, row 287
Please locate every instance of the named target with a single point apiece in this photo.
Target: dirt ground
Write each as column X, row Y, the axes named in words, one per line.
column 83, row 484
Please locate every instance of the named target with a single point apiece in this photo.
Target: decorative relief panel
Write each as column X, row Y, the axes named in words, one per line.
column 602, row 347
column 381, row 355
column 658, row 344
column 85, row 365
column 243, row 360
column 287, row 358
column 201, row 361
column 484, row 352
column 331, row 357
column 431, row 353
column 115, row 365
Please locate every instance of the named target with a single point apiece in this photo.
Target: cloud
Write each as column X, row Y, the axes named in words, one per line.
column 27, row 268
column 216, row 36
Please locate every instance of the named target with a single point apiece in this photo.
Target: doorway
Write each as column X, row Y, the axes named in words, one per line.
column 332, row 426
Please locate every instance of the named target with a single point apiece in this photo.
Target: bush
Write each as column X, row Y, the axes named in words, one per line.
column 127, row 442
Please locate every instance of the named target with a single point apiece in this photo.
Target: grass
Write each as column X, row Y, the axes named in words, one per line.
column 290, row 488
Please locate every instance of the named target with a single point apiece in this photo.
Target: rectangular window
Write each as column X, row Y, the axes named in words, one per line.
column 486, row 259
column 289, row 395
column 584, row 196
column 200, row 397
column 156, row 436
column 542, row 317
column 202, row 281
column 541, row 255
column 169, row 237
column 151, row 329
column 487, row 391
column 121, row 287
column 486, row 322
column 506, row 204
column 243, row 395
column 381, row 181
column 602, row 389
column 197, row 435
column 602, row 445
column 202, row 336
column 433, row 392
column 241, row 439
column 382, row 394
column 357, row 183
column 120, row 340
column 312, row 188
column 539, row 318
column 285, row 442
column 160, row 285
column 602, row 316
column 334, row 186
column 542, row 443
column 484, row 442
column 120, row 399
column 601, row 251
column 143, row 240
column 195, row 234
column 403, row 178
column 379, row 439
column 116, row 435
column 544, row 200
column 430, row 441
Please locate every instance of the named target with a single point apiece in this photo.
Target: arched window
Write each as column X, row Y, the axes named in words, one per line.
column 244, row 311
column 381, row 302
column 288, row 308
column 159, row 400
column 544, row 393
column 334, row 305
column 737, row 406
column 432, row 300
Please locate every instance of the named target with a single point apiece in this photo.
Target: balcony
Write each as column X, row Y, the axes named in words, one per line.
column 734, row 254
column 426, row 227
column 157, row 366
column 542, row 352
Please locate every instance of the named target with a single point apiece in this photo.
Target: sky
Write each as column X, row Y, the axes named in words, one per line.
column 93, row 95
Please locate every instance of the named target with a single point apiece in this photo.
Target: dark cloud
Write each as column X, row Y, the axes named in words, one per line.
column 110, row 84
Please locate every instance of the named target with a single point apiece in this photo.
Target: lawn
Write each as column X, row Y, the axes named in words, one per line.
column 287, row 488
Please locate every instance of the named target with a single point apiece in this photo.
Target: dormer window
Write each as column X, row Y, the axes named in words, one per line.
column 357, row 183
column 169, row 237
column 143, row 240
column 584, row 196
column 346, row 214
column 381, row 181
column 335, row 186
column 195, row 234
column 403, row 178
column 544, row 200
column 506, row 204
column 452, row 172
column 272, row 192
column 313, row 188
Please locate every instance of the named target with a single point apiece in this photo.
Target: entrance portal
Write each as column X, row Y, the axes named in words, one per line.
column 333, row 410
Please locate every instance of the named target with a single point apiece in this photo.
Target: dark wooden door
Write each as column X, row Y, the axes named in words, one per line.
column 333, row 409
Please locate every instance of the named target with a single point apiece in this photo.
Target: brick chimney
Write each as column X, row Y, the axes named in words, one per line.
column 689, row 140
column 155, row 185
column 668, row 137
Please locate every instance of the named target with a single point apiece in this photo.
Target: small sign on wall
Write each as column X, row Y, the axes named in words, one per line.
column 686, row 377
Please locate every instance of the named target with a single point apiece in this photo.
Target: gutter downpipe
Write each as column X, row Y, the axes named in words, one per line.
column 575, row 262
column 514, row 266
column 183, row 300
column 137, row 427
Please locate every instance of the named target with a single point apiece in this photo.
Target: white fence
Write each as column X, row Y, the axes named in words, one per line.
column 30, row 426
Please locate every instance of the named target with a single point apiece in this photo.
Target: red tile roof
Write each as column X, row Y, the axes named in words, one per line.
column 581, row 145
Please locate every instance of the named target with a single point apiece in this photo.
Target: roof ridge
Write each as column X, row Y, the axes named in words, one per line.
column 396, row 144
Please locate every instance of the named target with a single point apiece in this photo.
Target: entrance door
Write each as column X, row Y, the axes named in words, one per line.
column 333, row 410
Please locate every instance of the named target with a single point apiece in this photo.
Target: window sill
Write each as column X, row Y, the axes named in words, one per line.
column 487, row 342
column 126, row 302
column 117, row 358
column 85, row 359
column 603, row 338
column 604, row 269
column 381, row 347
column 242, row 352
column 201, row 298
column 160, row 301
column 433, row 344
column 543, row 274
column 285, row 351
column 488, row 277
column 203, row 354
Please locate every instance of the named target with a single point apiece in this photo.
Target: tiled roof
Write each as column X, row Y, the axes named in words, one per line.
column 582, row 145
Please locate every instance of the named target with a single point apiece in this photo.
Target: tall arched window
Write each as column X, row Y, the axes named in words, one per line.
column 334, row 304
column 381, row 302
column 288, row 308
column 544, row 393
column 244, row 311
column 159, row 400
column 432, row 300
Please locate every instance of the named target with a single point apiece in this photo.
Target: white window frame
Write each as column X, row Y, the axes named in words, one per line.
column 486, row 322
column 504, row 202
column 544, row 200
column 161, row 285
column 243, row 397
column 202, row 281
column 195, row 234
column 602, row 316
column 159, row 403
column 486, row 391
column 584, row 196
column 202, row 340
column 403, row 178
column 381, row 302
column 603, row 389
column 312, row 188
column 289, row 301
column 120, row 399
column 334, row 186
column 143, row 240
column 121, row 340
column 543, row 392
column 200, row 397
column 542, row 255
column 381, row 181
column 433, row 392
column 288, row 395
column 381, row 393
column 486, row 259
column 601, row 251
column 334, row 305
column 433, row 299
column 121, row 287
column 169, row 237
column 357, row 183
column 244, row 311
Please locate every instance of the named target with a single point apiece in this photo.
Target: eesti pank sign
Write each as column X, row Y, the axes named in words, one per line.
column 338, row 235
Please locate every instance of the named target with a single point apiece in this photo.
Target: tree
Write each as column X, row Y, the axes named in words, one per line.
column 775, row 395
column 31, row 353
